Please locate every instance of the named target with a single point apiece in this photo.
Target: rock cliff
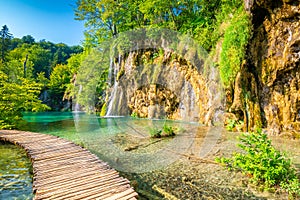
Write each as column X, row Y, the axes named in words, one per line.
column 271, row 75
column 162, row 86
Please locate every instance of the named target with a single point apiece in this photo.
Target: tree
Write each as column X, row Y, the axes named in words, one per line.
column 59, row 79
column 105, row 19
column 15, row 98
column 5, row 37
column 38, row 59
column 28, row 39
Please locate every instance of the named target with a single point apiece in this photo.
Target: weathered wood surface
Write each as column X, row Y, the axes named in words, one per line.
column 64, row 170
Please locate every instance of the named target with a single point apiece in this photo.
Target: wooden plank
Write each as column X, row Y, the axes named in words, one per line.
column 71, row 187
column 68, row 182
column 82, row 194
column 70, row 176
column 64, row 170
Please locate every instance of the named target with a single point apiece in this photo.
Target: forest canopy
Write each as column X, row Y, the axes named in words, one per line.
column 25, row 69
column 222, row 28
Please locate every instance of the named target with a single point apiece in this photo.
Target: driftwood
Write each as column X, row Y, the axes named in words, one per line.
column 143, row 145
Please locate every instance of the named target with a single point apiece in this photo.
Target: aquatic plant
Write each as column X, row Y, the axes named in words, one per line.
column 155, row 132
column 134, row 115
column 168, row 130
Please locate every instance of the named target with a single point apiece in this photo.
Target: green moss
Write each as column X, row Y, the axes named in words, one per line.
column 120, row 73
column 103, row 110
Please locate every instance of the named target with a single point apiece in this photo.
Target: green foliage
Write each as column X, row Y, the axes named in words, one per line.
column 105, row 19
column 236, row 37
column 168, row 130
column 103, row 110
column 134, row 115
column 74, row 63
column 16, row 97
column 5, row 37
column 155, row 132
column 91, row 80
column 266, row 166
column 234, row 125
column 59, row 78
column 41, row 78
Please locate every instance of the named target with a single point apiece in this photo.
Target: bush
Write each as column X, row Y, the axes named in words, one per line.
column 266, row 166
column 168, row 130
column 103, row 110
column 155, row 132
column 234, row 125
column 134, row 115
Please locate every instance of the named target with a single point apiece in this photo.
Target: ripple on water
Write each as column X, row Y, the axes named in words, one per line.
column 15, row 173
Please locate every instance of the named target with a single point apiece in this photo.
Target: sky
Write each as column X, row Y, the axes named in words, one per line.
column 52, row 20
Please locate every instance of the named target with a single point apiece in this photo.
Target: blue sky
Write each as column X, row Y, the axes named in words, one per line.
column 52, row 20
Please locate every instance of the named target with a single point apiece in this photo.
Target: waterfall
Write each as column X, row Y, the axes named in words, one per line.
column 195, row 82
column 77, row 106
column 114, row 69
column 112, row 100
column 110, row 71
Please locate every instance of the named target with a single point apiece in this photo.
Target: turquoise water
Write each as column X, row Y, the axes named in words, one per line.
column 15, row 173
column 123, row 142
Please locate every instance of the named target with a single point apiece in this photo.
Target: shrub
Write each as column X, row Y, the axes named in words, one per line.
column 168, row 130
column 155, row 132
column 266, row 166
column 234, row 125
column 134, row 115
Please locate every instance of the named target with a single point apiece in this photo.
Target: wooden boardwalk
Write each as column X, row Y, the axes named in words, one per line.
column 63, row 170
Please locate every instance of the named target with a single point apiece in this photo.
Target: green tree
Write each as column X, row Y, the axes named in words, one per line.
column 38, row 59
column 14, row 43
column 5, row 37
column 105, row 19
column 74, row 62
column 59, row 78
column 28, row 39
column 91, row 79
column 16, row 97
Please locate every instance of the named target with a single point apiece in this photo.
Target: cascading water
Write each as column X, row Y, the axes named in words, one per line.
column 184, row 68
column 113, row 71
column 77, row 105
column 112, row 100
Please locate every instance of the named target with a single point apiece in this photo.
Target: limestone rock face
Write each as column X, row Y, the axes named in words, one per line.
column 154, row 101
column 162, row 86
column 274, row 60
